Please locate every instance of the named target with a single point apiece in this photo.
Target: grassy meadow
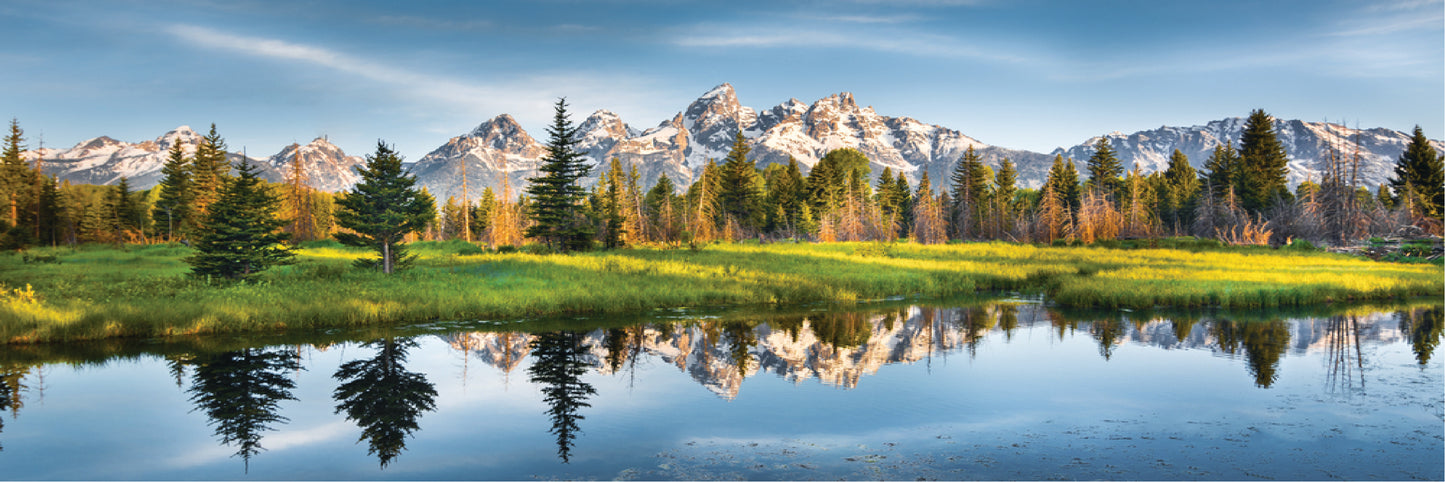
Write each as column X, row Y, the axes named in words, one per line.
column 95, row 292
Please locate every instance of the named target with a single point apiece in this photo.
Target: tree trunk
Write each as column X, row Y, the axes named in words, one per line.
column 386, row 257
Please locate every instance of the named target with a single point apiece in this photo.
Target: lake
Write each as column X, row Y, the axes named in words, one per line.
column 973, row 388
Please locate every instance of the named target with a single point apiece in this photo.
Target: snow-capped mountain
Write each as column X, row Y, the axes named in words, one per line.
column 495, row 148
column 104, row 160
column 679, row 147
column 1307, row 143
column 324, row 166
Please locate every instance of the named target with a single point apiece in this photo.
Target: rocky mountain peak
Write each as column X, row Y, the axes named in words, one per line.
column 502, row 132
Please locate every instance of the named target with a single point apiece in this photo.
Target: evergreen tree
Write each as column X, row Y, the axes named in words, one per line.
column 702, row 204
column 122, row 211
column 52, row 211
column 787, row 192
column 828, row 181
column 15, row 174
column 613, row 186
column 174, row 208
column 742, row 194
column 382, row 209
column 1181, row 185
column 209, row 172
column 970, row 189
column 241, row 235
column 903, row 199
column 1382, row 196
column 1105, row 170
column 1263, row 163
column 481, row 216
column 556, row 193
column 1224, row 170
column 1422, row 169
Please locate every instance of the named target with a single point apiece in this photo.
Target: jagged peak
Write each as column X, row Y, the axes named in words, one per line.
column 97, row 142
column 723, row 90
column 500, row 123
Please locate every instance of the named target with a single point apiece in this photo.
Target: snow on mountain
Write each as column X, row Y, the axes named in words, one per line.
column 104, row 160
column 325, row 166
column 498, row 147
column 1307, row 143
column 679, row 147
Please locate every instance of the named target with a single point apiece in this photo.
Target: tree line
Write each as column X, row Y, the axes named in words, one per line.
column 1239, row 197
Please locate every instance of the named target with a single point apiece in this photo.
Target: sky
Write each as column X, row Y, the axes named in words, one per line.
column 1025, row 74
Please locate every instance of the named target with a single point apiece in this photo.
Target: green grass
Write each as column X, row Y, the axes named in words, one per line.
column 103, row 292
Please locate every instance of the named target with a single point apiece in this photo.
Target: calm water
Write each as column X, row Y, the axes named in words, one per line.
column 970, row 390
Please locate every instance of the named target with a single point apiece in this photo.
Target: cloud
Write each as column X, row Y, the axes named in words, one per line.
column 528, row 97
column 897, row 42
column 433, row 23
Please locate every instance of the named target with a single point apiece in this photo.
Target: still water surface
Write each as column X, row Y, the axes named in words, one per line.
column 972, row 389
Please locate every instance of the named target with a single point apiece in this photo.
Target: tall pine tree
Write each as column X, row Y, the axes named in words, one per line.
column 1419, row 170
column 970, row 189
column 241, row 235
column 1105, row 170
column 741, row 197
column 556, row 193
column 1263, row 163
column 209, row 171
column 382, row 209
column 174, row 208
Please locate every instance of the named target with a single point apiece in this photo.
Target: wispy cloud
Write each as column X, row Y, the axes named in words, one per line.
column 434, row 23
column 528, row 97
column 908, row 43
column 867, row 19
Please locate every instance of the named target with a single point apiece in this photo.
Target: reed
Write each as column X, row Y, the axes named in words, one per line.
column 101, row 292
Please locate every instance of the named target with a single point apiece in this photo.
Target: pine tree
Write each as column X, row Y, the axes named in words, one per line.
column 1105, row 171
column 481, row 213
column 1382, row 196
column 14, row 173
column 174, row 207
column 382, row 209
column 1005, row 183
column 612, row 185
column 742, row 194
column 1263, row 163
column 787, row 193
column 702, row 200
column 556, row 194
column 661, row 210
column 970, row 189
column 1420, row 168
column 1224, row 170
column 209, row 171
column 928, row 218
column 1181, row 182
column 241, row 235
column 121, row 211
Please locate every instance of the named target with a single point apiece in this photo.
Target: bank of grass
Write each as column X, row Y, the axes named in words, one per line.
column 100, row 292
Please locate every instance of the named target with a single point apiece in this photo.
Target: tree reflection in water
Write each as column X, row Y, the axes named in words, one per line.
column 240, row 391
column 557, row 366
column 1264, row 342
column 1346, row 361
column 1423, row 327
column 383, row 398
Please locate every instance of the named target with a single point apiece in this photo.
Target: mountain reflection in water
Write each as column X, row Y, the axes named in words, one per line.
column 243, row 390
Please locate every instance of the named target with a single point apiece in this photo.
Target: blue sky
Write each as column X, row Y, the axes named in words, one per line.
column 1020, row 74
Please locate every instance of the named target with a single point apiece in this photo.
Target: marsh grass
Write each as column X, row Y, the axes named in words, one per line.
column 102, row 292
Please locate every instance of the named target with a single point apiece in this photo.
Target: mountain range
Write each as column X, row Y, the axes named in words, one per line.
column 680, row 146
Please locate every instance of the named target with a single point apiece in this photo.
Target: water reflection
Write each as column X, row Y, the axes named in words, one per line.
column 557, row 367
column 240, row 388
column 1423, row 326
column 383, row 398
column 240, row 392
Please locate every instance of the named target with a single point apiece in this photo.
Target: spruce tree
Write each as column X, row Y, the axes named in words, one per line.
column 741, row 197
column 14, row 173
column 787, row 193
column 556, row 194
column 1263, row 163
column 241, row 235
column 1420, row 168
column 382, row 209
column 970, row 188
column 613, row 185
column 1006, row 184
column 1181, row 185
column 1105, row 170
column 173, row 208
column 1223, row 169
column 209, row 171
